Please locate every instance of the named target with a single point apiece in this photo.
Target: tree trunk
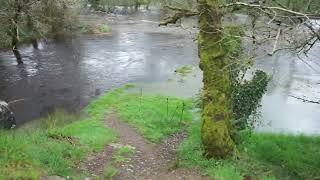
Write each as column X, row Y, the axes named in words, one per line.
column 215, row 132
column 15, row 33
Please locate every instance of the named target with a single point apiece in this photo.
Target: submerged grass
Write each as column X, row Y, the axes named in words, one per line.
column 262, row 156
column 184, row 70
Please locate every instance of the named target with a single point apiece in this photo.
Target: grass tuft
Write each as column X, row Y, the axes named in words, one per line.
column 122, row 154
column 110, row 172
column 104, row 28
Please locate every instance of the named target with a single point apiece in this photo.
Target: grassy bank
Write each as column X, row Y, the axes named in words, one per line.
column 154, row 116
column 262, row 156
column 55, row 145
column 29, row 153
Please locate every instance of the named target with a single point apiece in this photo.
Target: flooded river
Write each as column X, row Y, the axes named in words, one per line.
column 67, row 75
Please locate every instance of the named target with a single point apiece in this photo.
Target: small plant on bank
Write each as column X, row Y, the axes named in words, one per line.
column 104, row 29
column 123, row 154
column 110, row 172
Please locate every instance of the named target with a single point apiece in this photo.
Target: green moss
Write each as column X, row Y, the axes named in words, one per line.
column 217, row 138
column 215, row 132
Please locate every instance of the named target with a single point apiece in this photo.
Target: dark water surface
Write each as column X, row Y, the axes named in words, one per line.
column 68, row 75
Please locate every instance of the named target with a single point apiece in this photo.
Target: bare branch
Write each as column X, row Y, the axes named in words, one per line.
column 271, row 8
column 305, row 100
column 179, row 14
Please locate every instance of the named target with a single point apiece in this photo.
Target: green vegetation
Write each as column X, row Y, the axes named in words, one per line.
column 299, row 155
column 29, row 153
column 154, row 116
column 86, row 29
column 110, row 172
column 94, row 29
column 184, row 70
column 104, row 28
column 263, row 156
column 122, row 154
column 56, row 144
column 26, row 21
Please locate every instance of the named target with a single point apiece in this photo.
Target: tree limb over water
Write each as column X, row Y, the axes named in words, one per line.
column 305, row 100
column 179, row 14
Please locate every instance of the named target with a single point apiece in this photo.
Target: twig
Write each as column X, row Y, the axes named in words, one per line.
column 15, row 101
column 305, row 100
column 262, row 7
column 275, row 43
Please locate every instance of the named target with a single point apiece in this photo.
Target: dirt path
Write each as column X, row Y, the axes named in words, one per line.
column 148, row 162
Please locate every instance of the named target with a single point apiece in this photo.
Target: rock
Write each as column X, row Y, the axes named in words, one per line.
column 7, row 120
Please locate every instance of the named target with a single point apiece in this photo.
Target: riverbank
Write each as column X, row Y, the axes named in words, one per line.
column 60, row 144
column 261, row 156
column 56, row 145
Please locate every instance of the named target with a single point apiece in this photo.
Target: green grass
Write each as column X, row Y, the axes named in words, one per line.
column 104, row 28
column 297, row 156
column 154, row 116
column 51, row 146
column 262, row 156
column 110, row 172
column 52, row 152
column 56, row 144
column 122, row 155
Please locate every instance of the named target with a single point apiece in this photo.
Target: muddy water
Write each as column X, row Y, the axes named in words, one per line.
column 67, row 75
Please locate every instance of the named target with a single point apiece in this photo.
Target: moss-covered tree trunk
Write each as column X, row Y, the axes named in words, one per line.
column 216, row 115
